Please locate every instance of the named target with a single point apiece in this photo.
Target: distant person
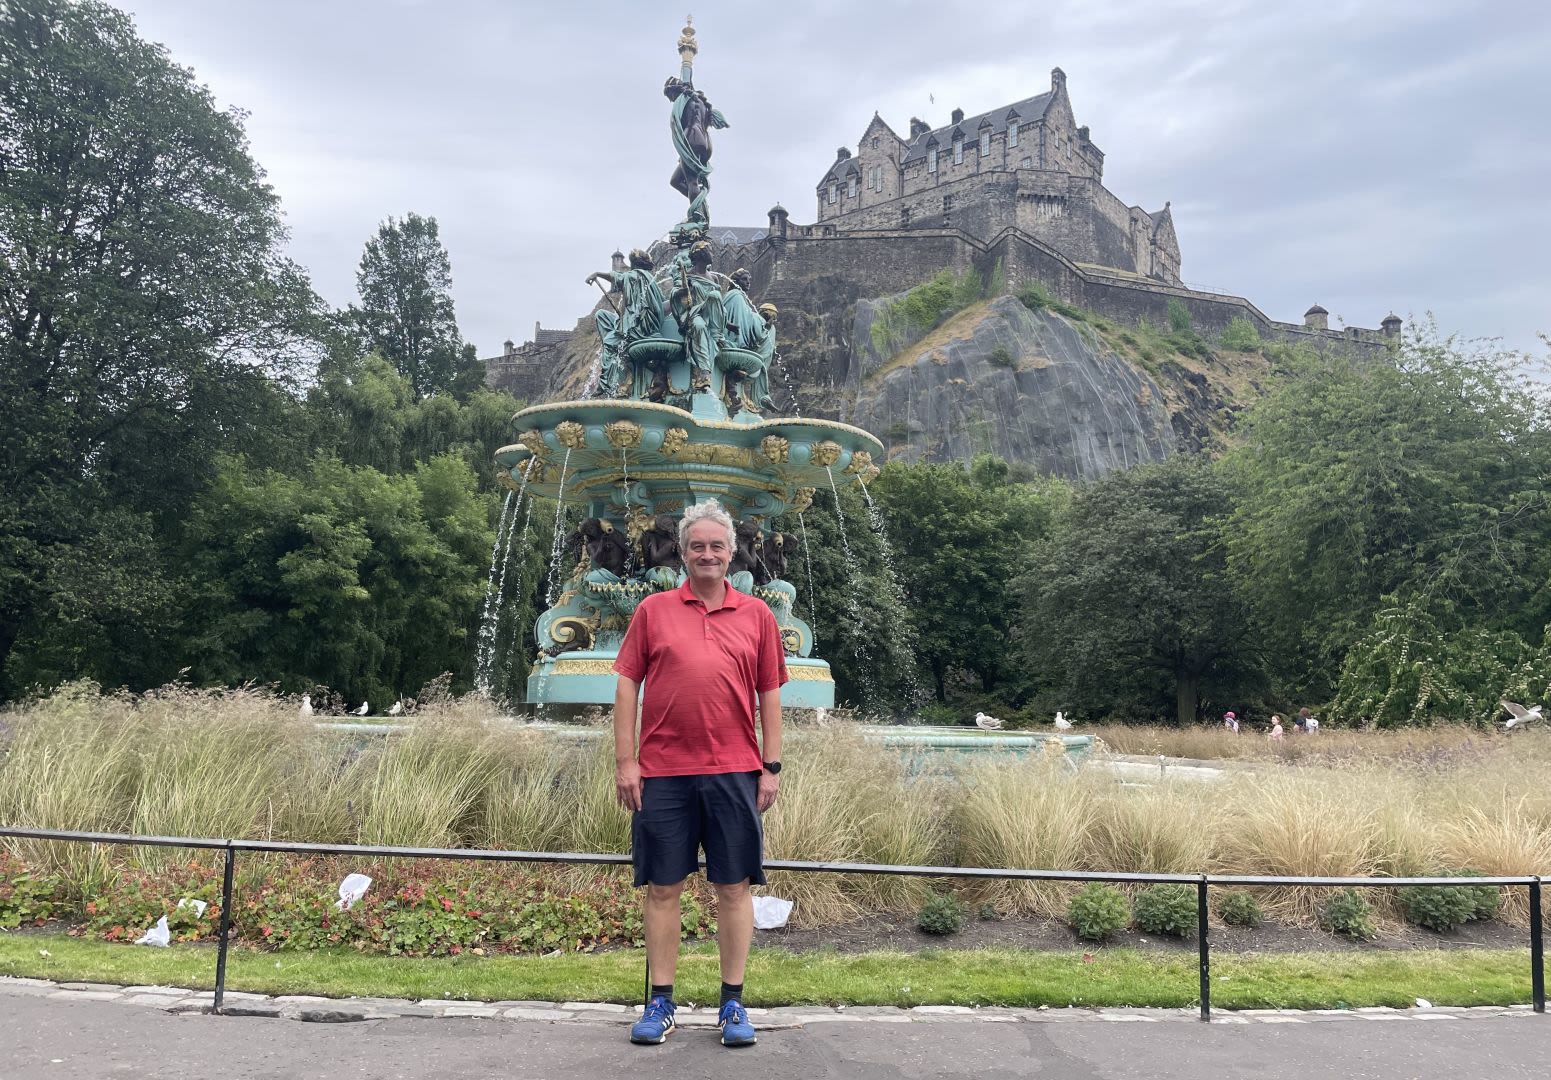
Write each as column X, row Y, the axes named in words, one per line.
column 1308, row 721
column 1276, row 728
column 1231, row 722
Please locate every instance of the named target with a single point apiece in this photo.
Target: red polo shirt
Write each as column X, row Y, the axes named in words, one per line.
column 702, row 672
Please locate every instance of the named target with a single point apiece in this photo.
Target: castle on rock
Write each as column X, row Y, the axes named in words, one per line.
column 1027, row 166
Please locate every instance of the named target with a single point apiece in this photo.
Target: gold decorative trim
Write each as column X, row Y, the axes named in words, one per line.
column 571, row 434
column 777, row 448
column 803, row 499
column 534, row 441
column 581, row 407
column 582, row 667
column 824, row 454
column 808, row 674
column 674, row 440
column 860, row 460
column 626, row 433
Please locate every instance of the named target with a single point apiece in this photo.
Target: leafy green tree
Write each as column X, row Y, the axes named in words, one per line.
column 960, row 538
column 1420, row 476
column 1129, row 604
column 149, row 318
column 341, row 576
column 406, row 313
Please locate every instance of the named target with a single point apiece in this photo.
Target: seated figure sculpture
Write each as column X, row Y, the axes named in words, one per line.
column 701, row 316
column 643, row 317
column 747, row 550
column 660, row 552
column 747, row 349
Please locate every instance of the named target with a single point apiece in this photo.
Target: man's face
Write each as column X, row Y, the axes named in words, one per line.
column 709, row 553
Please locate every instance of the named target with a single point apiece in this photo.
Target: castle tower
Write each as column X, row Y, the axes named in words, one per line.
column 1391, row 325
column 1316, row 318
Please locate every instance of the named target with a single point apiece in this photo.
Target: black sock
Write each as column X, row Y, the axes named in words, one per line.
column 730, row 991
column 663, row 991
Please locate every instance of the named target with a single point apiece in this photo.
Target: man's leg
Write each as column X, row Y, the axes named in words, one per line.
column 664, row 927
column 734, row 929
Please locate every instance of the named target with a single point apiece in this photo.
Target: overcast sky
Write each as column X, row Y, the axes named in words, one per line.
column 1368, row 155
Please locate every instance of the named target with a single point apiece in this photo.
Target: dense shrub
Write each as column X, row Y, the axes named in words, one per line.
column 1098, row 911
column 941, row 914
column 1179, row 316
column 1002, row 357
column 1485, row 900
column 1437, row 907
column 1239, row 909
column 1166, row 909
column 1348, row 914
column 26, row 899
column 1240, row 335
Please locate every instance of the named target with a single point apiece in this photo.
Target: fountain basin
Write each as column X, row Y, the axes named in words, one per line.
column 587, row 678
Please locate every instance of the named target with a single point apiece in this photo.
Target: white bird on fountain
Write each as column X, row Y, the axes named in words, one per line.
column 1062, row 723
column 1519, row 716
column 306, row 709
column 364, row 709
column 396, row 708
column 987, row 723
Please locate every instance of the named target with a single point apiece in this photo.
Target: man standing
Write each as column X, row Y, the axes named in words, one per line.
column 698, row 779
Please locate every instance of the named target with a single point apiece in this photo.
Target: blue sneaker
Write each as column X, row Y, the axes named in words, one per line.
column 655, row 1023
column 734, row 1022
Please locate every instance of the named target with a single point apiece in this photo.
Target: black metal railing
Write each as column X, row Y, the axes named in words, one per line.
column 1202, row 883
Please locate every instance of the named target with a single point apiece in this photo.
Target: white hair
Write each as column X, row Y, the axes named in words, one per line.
column 710, row 510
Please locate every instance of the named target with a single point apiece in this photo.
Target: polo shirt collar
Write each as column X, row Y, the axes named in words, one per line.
column 733, row 599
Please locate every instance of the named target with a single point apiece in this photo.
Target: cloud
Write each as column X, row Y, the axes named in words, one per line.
column 1369, row 155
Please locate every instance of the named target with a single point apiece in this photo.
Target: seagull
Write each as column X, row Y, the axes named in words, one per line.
column 396, row 708
column 364, row 709
column 1520, row 715
column 1062, row 723
column 987, row 723
column 306, row 709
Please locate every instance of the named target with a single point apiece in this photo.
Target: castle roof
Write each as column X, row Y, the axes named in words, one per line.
column 997, row 119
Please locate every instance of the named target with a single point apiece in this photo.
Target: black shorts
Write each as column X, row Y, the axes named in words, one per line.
column 681, row 814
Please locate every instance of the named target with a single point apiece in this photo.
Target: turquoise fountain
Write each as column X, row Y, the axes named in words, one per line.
column 675, row 415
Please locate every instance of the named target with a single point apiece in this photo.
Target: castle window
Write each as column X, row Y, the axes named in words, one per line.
column 1012, row 134
column 958, row 150
column 851, row 187
column 985, row 144
column 904, row 215
column 875, row 142
column 834, row 192
column 931, row 160
column 947, row 203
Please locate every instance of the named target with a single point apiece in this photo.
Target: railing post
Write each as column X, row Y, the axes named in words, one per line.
column 1537, row 952
column 226, row 926
column 1204, row 950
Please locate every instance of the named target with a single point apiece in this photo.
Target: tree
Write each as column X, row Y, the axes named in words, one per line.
column 960, row 538
column 1129, row 605
column 406, row 312
column 148, row 316
column 1419, row 477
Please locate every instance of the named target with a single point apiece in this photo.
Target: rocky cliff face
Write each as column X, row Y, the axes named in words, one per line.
column 1027, row 386
column 1034, row 387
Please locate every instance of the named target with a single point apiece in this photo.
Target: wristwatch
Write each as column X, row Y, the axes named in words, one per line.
column 772, row 767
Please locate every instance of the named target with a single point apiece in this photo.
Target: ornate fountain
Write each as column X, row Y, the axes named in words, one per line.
column 675, row 415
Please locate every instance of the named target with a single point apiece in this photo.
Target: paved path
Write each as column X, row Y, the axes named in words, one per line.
column 67, row 1034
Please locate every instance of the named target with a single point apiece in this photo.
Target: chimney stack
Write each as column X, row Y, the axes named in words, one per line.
column 958, row 116
column 918, row 127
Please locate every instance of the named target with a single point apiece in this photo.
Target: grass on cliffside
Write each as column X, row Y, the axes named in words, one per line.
column 1110, row 977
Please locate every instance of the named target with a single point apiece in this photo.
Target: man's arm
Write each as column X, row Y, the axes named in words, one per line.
column 627, row 771
column 770, row 730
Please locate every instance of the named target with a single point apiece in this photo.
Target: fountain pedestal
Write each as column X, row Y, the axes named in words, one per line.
column 626, row 462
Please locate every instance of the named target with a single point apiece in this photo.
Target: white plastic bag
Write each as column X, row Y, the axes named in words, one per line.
column 157, row 935
column 352, row 889
column 771, row 912
column 198, row 906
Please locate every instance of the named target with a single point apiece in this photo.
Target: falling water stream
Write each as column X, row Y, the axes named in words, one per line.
column 807, row 558
column 552, row 585
column 487, row 616
column 865, row 684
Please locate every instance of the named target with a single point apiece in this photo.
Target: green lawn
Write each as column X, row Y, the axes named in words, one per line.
column 776, row 977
